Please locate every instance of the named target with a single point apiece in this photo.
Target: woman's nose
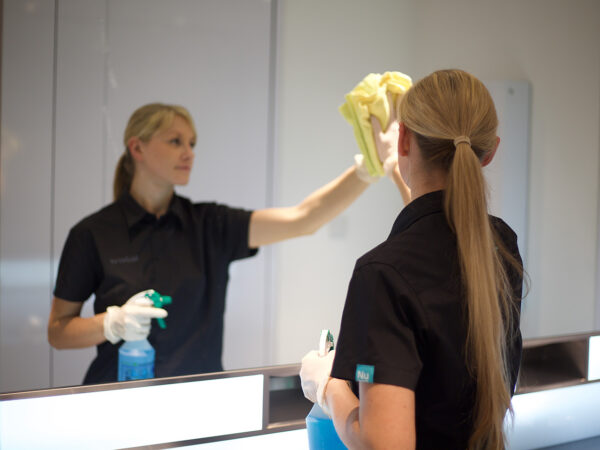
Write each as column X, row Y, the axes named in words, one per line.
column 188, row 152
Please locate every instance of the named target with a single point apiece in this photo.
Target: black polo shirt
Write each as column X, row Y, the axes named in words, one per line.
column 404, row 322
column 122, row 249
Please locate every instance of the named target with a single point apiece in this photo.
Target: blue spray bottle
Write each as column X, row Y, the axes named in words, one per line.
column 319, row 426
column 136, row 358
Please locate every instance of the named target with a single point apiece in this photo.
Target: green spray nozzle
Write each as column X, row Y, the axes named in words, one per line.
column 325, row 342
column 160, row 301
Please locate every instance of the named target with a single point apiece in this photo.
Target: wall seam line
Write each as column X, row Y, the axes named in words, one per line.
column 53, row 170
column 269, row 331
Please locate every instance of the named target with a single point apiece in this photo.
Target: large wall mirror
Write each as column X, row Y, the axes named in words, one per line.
column 263, row 80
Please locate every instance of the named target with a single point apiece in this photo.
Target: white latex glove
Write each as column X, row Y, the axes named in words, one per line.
column 362, row 171
column 386, row 140
column 131, row 322
column 314, row 376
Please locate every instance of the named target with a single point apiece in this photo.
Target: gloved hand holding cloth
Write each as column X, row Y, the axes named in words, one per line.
column 131, row 322
column 370, row 108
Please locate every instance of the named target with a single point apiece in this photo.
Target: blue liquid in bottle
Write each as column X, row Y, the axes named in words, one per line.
column 319, row 426
column 321, row 432
column 136, row 360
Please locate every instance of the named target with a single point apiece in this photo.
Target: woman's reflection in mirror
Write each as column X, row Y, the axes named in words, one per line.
column 149, row 237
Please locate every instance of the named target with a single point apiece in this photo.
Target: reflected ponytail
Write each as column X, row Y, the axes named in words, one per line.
column 144, row 123
column 123, row 175
column 453, row 105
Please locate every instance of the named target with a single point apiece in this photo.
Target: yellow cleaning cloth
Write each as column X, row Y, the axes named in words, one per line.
column 369, row 97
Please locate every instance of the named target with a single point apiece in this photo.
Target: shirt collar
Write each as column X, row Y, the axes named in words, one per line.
column 176, row 208
column 135, row 213
column 430, row 203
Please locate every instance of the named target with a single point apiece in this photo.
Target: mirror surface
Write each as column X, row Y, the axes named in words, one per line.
column 263, row 80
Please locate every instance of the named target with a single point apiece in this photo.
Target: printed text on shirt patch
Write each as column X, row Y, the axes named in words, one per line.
column 364, row 373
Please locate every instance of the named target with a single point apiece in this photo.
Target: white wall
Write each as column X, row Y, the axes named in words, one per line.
column 326, row 47
column 554, row 45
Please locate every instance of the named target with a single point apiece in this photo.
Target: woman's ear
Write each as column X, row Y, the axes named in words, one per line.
column 488, row 158
column 403, row 140
column 134, row 144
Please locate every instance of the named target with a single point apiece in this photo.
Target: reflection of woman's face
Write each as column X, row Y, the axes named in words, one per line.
column 169, row 154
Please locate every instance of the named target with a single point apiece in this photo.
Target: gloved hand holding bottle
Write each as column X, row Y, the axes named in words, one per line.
column 131, row 322
column 314, row 376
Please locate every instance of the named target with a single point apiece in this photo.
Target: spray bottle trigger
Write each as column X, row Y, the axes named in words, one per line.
column 160, row 301
column 325, row 342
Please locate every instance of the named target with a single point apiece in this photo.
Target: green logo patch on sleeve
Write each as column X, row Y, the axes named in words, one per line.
column 364, row 373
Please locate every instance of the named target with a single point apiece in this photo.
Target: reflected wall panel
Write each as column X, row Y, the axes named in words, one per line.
column 213, row 58
column 26, row 193
column 80, row 135
column 184, row 52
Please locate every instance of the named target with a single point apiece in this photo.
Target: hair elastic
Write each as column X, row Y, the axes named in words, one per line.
column 461, row 139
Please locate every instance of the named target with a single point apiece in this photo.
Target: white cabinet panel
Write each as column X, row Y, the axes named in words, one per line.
column 188, row 410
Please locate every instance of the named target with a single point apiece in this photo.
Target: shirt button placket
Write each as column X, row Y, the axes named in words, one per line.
column 155, row 249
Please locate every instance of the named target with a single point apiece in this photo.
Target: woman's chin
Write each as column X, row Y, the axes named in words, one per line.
column 181, row 181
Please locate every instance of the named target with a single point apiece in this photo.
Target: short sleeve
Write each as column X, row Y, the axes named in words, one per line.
column 228, row 229
column 377, row 335
column 515, row 346
column 509, row 239
column 79, row 270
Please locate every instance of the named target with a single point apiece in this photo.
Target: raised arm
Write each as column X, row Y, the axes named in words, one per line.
column 277, row 224
column 386, row 142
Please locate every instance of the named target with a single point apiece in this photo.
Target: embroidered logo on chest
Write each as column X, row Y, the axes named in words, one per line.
column 124, row 259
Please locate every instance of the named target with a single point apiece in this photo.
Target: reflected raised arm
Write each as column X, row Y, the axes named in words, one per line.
column 277, row 224
column 272, row 225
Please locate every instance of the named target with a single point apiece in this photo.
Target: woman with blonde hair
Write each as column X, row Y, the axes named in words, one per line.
column 151, row 238
column 430, row 338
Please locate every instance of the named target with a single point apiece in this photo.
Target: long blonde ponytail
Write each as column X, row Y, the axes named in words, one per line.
column 484, row 277
column 440, row 108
